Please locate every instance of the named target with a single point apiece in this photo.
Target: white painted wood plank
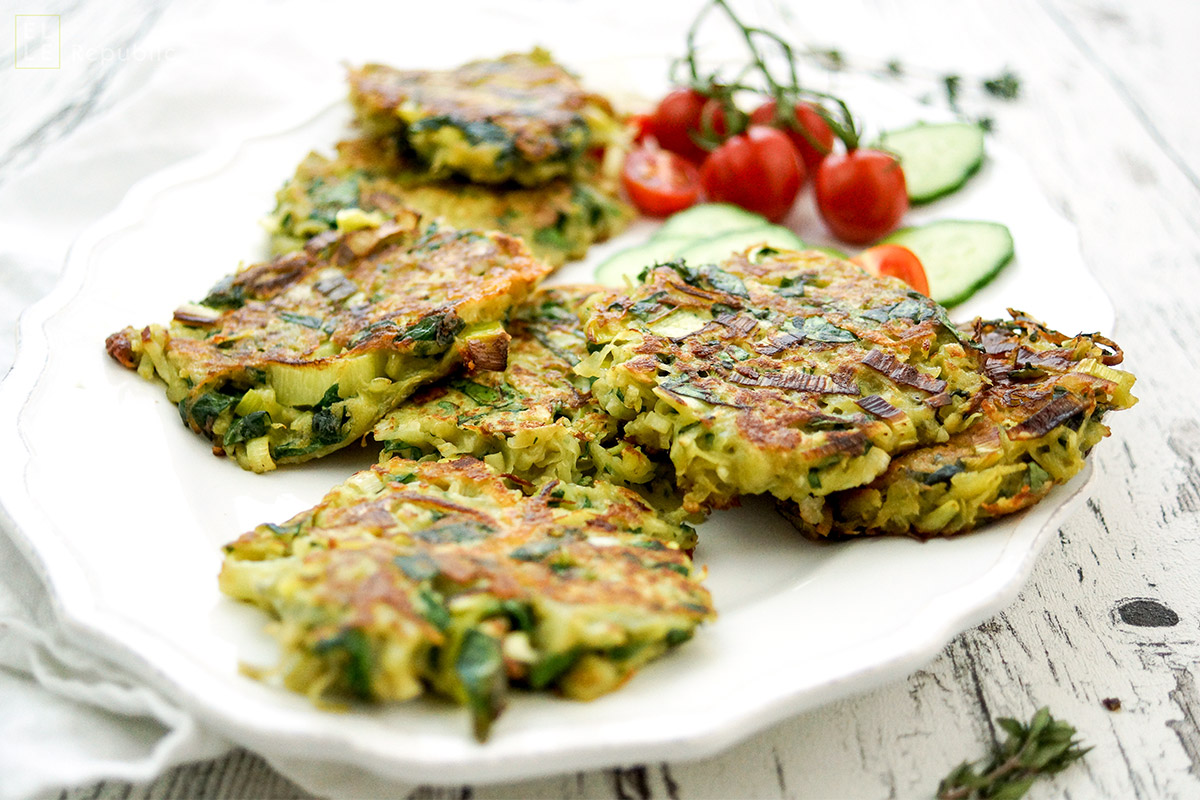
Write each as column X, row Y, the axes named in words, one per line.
column 1149, row 52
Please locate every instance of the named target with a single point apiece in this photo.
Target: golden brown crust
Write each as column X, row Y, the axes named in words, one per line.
column 415, row 575
column 559, row 220
column 531, row 111
column 310, row 349
column 794, row 366
column 1036, row 420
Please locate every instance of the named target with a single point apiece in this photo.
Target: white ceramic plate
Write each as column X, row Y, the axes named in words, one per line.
column 128, row 535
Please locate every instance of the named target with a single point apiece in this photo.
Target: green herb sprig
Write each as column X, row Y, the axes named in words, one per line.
column 1044, row 747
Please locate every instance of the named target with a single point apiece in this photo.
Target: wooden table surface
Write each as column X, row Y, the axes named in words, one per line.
column 1107, row 118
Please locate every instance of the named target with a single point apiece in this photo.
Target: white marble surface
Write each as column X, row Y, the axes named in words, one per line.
column 1106, row 119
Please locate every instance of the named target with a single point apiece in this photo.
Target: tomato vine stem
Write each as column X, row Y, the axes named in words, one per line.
column 786, row 92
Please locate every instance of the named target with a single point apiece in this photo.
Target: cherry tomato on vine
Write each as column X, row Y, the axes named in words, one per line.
column 758, row 170
column 812, row 137
column 660, row 182
column 896, row 261
column 682, row 113
column 861, row 194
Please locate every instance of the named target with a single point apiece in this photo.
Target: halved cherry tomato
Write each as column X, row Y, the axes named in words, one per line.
column 861, row 194
column 808, row 131
column 758, row 170
column 897, row 261
column 642, row 125
column 660, row 182
column 682, row 114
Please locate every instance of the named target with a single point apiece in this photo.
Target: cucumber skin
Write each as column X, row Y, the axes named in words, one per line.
column 936, row 129
column 948, row 190
column 905, row 236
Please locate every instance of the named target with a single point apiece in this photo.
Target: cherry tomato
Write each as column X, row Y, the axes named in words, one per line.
column 897, row 261
column 758, row 170
column 811, row 135
column 682, row 114
column 660, row 182
column 861, row 194
column 642, row 125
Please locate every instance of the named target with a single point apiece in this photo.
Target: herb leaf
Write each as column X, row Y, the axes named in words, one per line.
column 251, row 426
column 480, row 670
column 1045, row 746
column 355, row 646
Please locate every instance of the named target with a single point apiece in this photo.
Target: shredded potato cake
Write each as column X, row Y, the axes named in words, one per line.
column 440, row 576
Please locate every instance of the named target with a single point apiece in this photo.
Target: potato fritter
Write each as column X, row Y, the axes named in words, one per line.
column 788, row 373
column 537, row 419
column 369, row 181
column 416, row 576
column 294, row 358
column 1037, row 420
column 520, row 117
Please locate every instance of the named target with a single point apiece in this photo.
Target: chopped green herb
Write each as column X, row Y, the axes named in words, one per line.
column 205, row 409
column 1006, row 86
column 677, row 636
column 436, row 331
column 304, row 320
column 357, row 649
column 483, row 395
column 520, row 613
column 1037, row 477
column 226, row 294
column 251, row 426
column 943, row 474
column 480, row 670
column 327, row 426
column 553, row 667
column 411, row 452
column 419, row 567
column 465, row 531
column 625, row 651
column 819, row 329
column 536, row 551
column 952, row 84
column 433, row 608
column 643, row 309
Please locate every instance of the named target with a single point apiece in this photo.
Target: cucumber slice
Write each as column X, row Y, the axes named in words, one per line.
column 959, row 256
column 707, row 220
column 614, row 269
column 717, row 248
column 937, row 159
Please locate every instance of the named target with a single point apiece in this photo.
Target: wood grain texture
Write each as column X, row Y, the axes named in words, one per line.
column 1107, row 122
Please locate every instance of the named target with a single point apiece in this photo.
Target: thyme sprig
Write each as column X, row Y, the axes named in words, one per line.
column 1044, row 747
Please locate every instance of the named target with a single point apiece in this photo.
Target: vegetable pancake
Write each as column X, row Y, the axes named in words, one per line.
column 369, row 181
column 536, row 420
column 1038, row 418
column 416, row 576
column 294, row 358
column 520, row 117
column 789, row 373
